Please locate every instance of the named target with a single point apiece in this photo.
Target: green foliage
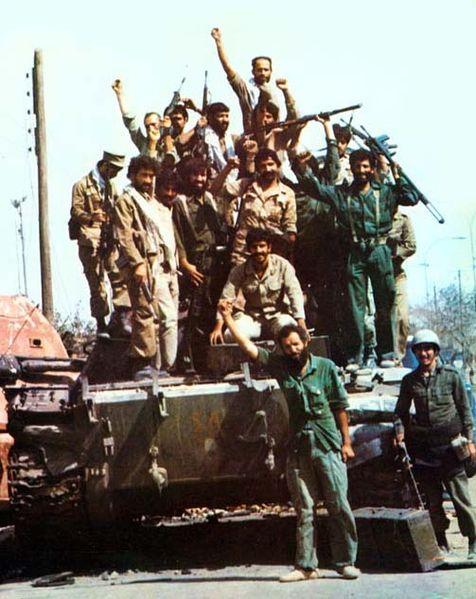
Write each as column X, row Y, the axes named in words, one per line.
column 74, row 331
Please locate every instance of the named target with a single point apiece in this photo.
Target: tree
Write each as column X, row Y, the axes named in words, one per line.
column 452, row 316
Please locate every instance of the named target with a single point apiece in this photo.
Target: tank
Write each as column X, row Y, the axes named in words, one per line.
column 92, row 449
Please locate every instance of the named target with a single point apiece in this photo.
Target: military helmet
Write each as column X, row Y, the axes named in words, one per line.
column 426, row 336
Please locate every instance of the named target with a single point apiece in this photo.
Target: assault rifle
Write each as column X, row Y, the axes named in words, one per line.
column 380, row 145
column 303, row 120
column 106, row 240
column 408, row 466
column 175, row 99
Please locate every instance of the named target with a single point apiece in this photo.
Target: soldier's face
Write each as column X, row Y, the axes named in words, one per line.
column 263, row 117
column 197, row 181
column 267, row 169
column 109, row 171
column 152, row 123
column 144, row 180
column 219, row 122
column 295, row 348
column 261, row 71
column 426, row 354
column 260, row 251
column 362, row 171
column 342, row 147
column 167, row 195
column 178, row 121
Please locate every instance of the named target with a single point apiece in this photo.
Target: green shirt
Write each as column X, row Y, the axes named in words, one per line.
column 311, row 398
column 369, row 214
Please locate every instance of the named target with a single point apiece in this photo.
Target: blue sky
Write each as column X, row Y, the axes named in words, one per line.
column 410, row 63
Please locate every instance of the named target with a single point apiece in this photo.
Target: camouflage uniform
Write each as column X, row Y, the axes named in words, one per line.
column 88, row 197
column 273, row 210
column 272, row 301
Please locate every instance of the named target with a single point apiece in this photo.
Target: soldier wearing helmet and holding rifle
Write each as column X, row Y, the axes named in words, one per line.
column 441, row 427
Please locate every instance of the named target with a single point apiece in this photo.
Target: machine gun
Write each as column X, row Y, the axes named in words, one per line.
column 303, row 120
column 175, row 99
column 380, row 145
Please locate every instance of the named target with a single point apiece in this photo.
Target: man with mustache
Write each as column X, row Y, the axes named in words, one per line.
column 271, row 290
column 364, row 212
column 263, row 203
column 319, row 444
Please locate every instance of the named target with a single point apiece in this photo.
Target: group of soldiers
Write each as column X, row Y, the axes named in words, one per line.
column 220, row 238
column 171, row 242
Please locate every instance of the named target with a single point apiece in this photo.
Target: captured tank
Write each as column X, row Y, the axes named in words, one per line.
column 92, row 448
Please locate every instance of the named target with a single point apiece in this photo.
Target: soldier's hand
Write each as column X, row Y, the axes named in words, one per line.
column 117, row 86
column 166, row 122
column 250, row 146
column 216, row 34
column 324, row 118
column 225, row 307
column 282, row 83
column 98, row 216
column 140, row 274
column 472, row 452
column 216, row 336
column 396, row 170
column 202, row 122
column 399, row 438
column 233, row 162
column 347, row 452
column 195, row 275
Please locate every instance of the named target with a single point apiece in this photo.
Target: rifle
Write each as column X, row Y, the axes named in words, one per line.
column 106, row 240
column 175, row 99
column 205, row 93
column 407, row 464
column 303, row 120
column 379, row 145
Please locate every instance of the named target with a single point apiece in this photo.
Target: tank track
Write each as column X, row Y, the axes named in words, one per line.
column 40, row 503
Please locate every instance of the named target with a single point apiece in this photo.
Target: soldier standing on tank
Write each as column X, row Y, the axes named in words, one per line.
column 201, row 240
column 319, row 444
column 93, row 200
column 364, row 212
column 442, row 419
column 138, row 222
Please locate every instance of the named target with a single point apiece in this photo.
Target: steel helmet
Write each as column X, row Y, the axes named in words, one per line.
column 426, row 336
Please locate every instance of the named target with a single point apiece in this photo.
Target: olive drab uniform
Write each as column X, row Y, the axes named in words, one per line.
column 442, row 413
column 200, row 233
column 96, row 247
column 250, row 207
column 402, row 242
column 365, row 220
column 315, row 469
column 272, row 301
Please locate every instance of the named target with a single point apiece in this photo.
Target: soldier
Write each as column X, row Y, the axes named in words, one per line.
column 145, row 255
column 264, row 203
column 257, row 89
column 154, row 143
column 402, row 242
column 319, row 445
column 93, row 199
column 364, row 212
column 271, row 290
column 185, row 142
column 220, row 143
column 442, row 417
column 201, row 236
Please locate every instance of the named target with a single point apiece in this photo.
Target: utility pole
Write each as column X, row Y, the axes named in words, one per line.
column 17, row 205
column 40, row 139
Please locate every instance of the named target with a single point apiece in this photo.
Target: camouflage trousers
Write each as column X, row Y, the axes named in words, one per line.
column 95, row 269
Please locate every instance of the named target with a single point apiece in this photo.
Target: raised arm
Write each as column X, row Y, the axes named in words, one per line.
column 225, row 307
column 229, row 70
column 118, row 89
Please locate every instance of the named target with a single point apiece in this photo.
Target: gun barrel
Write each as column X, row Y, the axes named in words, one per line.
column 329, row 113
